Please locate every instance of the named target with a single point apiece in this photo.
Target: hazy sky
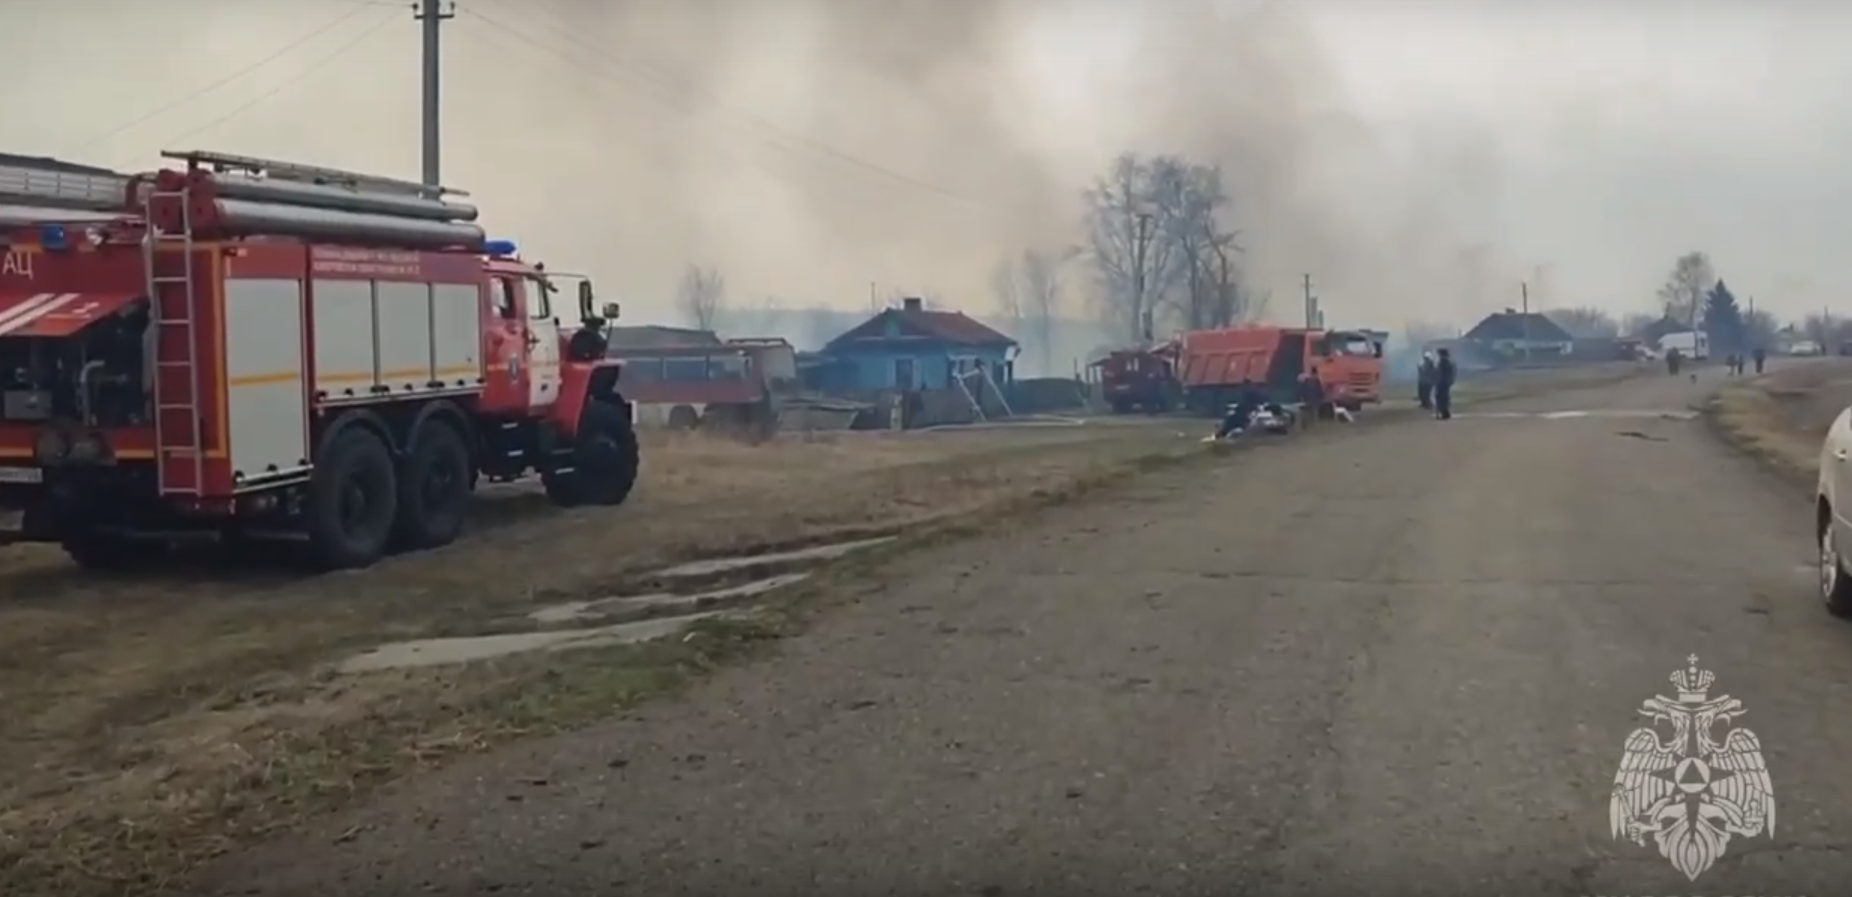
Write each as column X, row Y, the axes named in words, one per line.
column 1418, row 159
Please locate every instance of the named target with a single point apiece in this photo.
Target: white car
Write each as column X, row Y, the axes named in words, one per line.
column 1833, row 515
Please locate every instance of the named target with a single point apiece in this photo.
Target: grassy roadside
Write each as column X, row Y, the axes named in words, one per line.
column 128, row 791
column 1778, row 419
column 1744, row 416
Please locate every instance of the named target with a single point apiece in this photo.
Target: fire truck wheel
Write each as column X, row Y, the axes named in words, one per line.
column 353, row 501
column 604, row 460
column 434, row 488
column 110, row 553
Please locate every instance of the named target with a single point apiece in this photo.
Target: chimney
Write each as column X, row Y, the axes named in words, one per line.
column 912, row 303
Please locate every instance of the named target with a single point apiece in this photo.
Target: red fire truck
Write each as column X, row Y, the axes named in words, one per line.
column 264, row 349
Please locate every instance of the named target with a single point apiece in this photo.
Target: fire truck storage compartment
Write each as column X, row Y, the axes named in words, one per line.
column 381, row 339
column 374, row 340
column 267, row 418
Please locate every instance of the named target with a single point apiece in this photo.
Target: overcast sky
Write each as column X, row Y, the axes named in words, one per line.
column 809, row 147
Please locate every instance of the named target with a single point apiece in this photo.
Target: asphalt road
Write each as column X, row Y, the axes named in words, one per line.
column 1396, row 660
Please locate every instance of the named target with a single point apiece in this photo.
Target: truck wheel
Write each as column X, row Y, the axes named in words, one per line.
column 605, row 459
column 683, row 417
column 434, row 488
column 353, row 501
column 110, row 553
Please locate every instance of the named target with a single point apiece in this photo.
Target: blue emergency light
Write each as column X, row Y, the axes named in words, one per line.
column 499, row 247
column 53, row 238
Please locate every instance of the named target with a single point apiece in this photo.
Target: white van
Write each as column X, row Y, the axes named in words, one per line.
column 1693, row 344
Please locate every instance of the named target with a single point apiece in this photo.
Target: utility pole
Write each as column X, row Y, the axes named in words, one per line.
column 432, row 14
column 1311, row 304
column 1524, row 309
column 1138, row 275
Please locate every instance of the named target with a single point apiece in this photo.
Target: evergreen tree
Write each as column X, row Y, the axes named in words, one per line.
column 1723, row 320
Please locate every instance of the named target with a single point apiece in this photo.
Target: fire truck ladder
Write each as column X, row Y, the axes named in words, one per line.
column 37, row 191
column 270, row 169
column 167, row 292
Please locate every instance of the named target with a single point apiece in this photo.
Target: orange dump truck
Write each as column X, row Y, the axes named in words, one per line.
column 1215, row 366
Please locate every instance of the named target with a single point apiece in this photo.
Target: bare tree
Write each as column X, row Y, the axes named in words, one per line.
column 1191, row 201
column 1685, row 288
column 1230, row 301
column 1040, row 280
column 1006, row 287
column 701, row 296
column 1585, row 322
column 1124, row 246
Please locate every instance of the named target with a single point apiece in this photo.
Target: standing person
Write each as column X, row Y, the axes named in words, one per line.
column 1761, row 359
column 1311, row 396
column 1424, row 380
column 1444, row 374
column 1673, row 357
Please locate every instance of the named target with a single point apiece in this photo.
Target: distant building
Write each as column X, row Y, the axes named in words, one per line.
column 911, row 348
column 1516, row 334
column 652, row 336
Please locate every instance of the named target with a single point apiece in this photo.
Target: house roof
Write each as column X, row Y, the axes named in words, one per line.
column 919, row 325
column 1511, row 325
column 655, row 336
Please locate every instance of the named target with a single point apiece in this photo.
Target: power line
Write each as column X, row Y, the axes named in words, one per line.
column 683, row 90
column 503, row 50
column 273, row 57
column 287, row 83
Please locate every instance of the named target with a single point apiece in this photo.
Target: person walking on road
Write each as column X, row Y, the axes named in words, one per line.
column 1424, row 381
column 1673, row 357
column 1444, row 373
column 1761, row 356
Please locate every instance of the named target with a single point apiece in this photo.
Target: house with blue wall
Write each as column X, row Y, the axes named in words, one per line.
column 911, row 347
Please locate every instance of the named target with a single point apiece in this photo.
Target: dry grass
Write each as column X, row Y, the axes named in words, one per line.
column 1780, row 418
column 154, row 723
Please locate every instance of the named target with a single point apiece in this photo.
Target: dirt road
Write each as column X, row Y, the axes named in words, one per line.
column 1405, row 657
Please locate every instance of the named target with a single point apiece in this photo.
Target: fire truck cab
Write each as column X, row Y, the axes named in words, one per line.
column 1142, row 379
column 252, row 348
